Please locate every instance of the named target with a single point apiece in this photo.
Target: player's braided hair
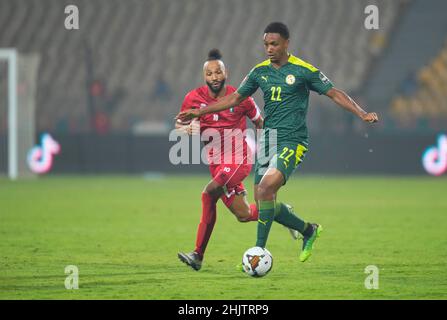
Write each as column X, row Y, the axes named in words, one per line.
column 214, row 54
column 278, row 27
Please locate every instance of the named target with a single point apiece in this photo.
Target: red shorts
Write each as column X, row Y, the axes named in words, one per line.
column 230, row 177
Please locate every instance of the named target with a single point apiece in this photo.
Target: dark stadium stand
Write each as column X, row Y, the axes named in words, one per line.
column 425, row 106
column 136, row 48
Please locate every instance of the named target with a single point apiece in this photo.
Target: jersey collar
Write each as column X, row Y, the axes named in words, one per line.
column 289, row 60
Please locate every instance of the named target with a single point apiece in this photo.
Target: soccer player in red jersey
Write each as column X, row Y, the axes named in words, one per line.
column 227, row 172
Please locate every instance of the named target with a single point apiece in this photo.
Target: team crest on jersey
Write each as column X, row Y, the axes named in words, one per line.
column 290, row 79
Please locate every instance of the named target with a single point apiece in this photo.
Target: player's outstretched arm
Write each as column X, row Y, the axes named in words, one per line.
column 343, row 100
column 222, row 104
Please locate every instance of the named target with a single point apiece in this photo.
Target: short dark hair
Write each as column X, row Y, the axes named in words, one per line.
column 278, row 27
column 214, row 54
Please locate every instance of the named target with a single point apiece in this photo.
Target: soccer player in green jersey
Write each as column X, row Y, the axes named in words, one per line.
column 286, row 82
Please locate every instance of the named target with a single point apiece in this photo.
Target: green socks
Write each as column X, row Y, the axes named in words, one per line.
column 265, row 220
column 284, row 215
column 270, row 211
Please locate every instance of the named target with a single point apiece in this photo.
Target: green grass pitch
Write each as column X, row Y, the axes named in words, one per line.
column 123, row 233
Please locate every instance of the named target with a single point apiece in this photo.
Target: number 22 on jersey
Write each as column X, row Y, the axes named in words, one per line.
column 277, row 91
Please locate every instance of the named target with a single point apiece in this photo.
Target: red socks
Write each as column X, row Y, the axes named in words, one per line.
column 208, row 221
column 206, row 224
column 254, row 213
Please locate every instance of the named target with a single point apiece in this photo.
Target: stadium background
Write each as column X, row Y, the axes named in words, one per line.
column 108, row 94
column 114, row 85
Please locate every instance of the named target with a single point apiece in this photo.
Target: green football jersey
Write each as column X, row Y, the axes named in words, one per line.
column 286, row 95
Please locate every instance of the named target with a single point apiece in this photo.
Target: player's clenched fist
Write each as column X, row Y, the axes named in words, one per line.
column 191, row 128
column 194, row 127
column 370, row 117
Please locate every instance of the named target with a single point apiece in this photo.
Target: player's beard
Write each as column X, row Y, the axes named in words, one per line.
column 218, row 89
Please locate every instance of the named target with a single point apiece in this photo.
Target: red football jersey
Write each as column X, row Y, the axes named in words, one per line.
column 224, row 122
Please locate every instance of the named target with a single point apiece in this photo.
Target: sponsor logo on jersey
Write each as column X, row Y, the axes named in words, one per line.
column 202, row 105
column 264, row 78
column 290, row 79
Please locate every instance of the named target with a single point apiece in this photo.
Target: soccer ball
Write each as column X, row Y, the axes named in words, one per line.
column 257, row 262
